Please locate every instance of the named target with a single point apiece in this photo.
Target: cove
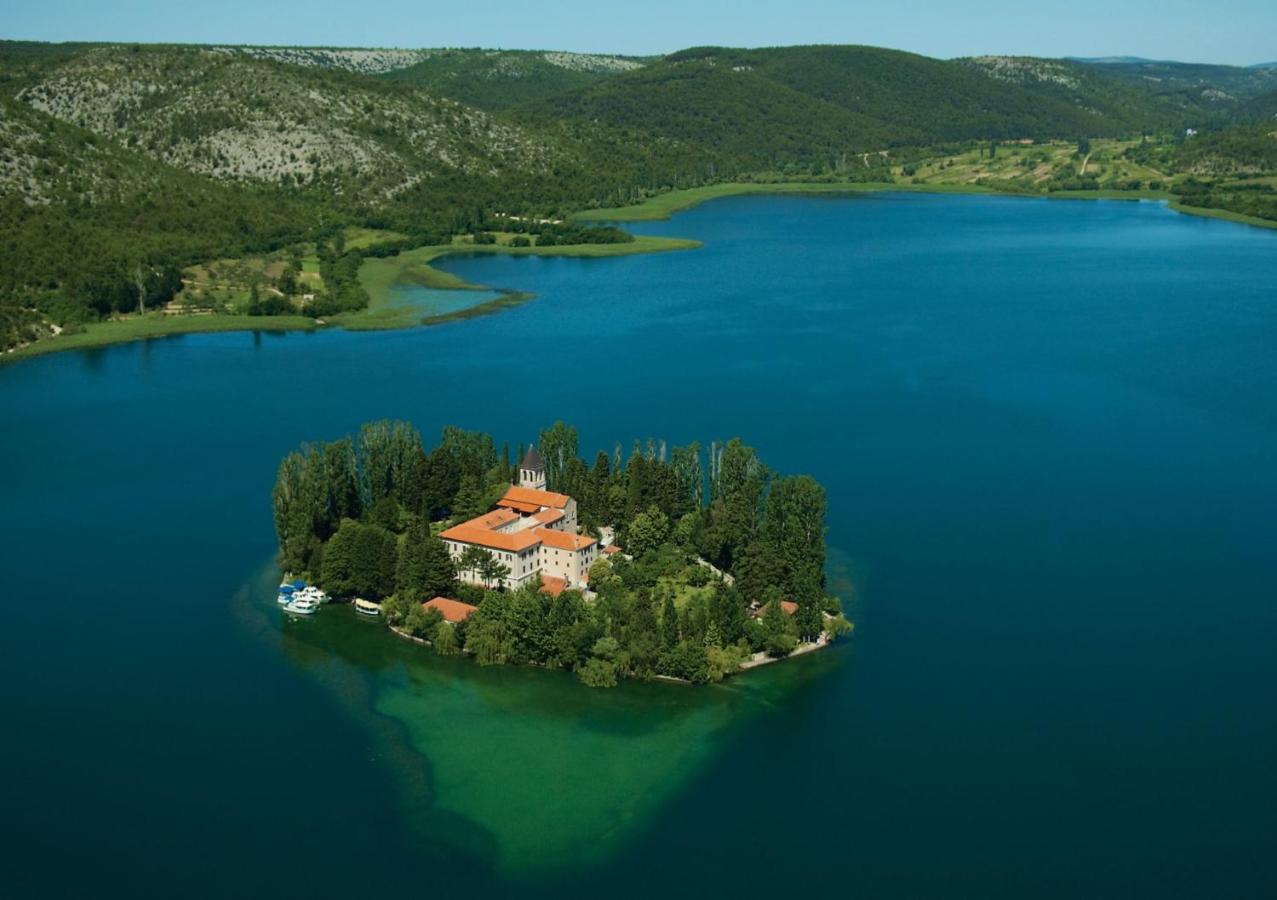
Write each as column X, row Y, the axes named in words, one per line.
column 1046, row 429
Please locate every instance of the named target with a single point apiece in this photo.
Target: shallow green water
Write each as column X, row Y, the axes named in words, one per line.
column 1047, row 430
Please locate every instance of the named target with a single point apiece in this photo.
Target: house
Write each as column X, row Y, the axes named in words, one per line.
column 788, row 607
column 532, row 532
column 453, row 611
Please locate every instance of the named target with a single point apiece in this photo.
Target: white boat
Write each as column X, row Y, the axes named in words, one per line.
column 285, row 599
column 303, row 606
column 312, row 593
column 367, row 607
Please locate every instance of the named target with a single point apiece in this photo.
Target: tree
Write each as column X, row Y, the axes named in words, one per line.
column 647, row 531
column 360, row 559
column 837, row 626
column 795, row 528
column 446, row 642
column 779, row 631
column 421, row 622
column 425, row 566
column 471, row 561
column 669, row 623
column 470, row 500
column 558, row 446
column 597, row 673
column 492, row 570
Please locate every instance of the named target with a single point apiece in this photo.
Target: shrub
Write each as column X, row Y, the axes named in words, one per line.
column 597, row 673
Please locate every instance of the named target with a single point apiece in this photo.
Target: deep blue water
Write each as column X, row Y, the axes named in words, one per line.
column 1048, row 430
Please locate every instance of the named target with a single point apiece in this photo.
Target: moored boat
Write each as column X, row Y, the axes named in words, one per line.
column 303, row 606
column 367, row 607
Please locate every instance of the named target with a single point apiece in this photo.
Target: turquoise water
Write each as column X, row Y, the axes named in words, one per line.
column 1048, row 432
column 431, row 302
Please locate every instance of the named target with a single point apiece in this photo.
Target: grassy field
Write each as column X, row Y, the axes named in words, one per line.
column 665, row 205
column 1033, row 169
column 359, row 238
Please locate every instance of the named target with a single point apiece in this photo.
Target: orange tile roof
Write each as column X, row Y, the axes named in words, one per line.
column 540, row 498
column 549, row 516
column 518, row 505
column 553, row 586
column 789, row 607
column 452, row 610
column 611, row 548
column 494, row 519
column 561, row 540
column 466, row 533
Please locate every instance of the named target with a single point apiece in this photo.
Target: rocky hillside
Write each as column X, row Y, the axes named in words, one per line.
column 365, row 61
column 233, row 116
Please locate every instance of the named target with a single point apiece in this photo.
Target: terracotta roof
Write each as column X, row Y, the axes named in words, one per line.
column 494, row 519
column 611, row 548
column 548, row 516
column 788, row 607
column 540, row 498
column 466, row 533
column 452, row 610
column 553, row 586
column 517, row 505
column 561, row 540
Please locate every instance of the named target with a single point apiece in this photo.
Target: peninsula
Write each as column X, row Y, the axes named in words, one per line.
column 681, row 563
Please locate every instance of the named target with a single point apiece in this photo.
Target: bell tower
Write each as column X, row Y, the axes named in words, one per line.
column 532, row 470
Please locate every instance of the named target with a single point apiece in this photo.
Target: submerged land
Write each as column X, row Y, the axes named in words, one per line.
column 270, row 183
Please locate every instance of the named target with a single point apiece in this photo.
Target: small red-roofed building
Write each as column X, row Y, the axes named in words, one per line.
column 453, row 611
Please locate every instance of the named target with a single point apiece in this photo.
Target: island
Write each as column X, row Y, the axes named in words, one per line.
column 683, row 563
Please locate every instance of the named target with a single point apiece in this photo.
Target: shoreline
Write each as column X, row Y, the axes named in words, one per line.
column 757, row 661
column 662, row 207
column 415, row 265
column 379, row 316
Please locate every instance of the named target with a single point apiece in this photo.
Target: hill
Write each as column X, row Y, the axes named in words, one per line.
column 1235, row 152
column 84, row 220
column 1208, row 92
column 811, row 105
column 500, row 79
column 231, row 115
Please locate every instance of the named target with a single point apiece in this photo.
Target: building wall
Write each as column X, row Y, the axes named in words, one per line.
column 524, row 566
column 570, row 565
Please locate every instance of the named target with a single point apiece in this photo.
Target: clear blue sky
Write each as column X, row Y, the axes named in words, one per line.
column 1228, row 31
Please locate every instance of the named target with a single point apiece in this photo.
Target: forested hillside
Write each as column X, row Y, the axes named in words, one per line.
column 1211, row 93
column 500, row 79
column 813, row 104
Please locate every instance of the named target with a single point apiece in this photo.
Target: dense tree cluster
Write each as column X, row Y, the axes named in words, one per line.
column 714, row 542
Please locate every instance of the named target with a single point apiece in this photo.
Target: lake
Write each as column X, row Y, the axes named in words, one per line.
column 1048, row 431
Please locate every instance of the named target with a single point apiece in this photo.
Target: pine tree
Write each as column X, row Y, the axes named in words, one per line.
column 669, row 623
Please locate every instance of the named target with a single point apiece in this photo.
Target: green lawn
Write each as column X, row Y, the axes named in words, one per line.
column 359, row 238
